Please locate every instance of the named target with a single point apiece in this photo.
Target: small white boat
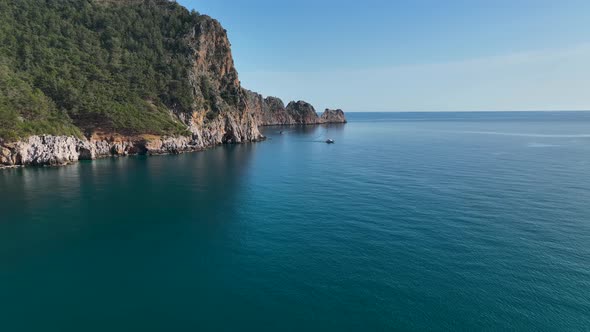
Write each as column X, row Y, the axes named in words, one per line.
column 330, row 141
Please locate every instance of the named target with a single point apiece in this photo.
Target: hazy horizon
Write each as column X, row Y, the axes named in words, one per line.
column 412, row 56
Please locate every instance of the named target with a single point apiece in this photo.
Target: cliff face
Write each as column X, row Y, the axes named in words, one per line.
column 268, row 111
column 333, row 116
column 223, row 112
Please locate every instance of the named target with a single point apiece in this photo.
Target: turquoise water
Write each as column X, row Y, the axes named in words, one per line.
column 460, row 221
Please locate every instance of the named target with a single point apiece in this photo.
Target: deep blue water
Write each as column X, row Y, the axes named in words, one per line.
column 411, row 221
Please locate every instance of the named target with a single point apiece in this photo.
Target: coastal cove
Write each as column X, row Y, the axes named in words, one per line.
column 410, row 221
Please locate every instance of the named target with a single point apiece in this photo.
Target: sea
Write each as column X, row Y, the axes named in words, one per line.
column 409, row 222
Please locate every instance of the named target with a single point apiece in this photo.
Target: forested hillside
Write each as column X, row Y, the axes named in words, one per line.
column 69, row 66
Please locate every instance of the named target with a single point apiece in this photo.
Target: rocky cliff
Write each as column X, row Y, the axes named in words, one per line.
column 271, row 111
column 222, row 112
column 333, row 116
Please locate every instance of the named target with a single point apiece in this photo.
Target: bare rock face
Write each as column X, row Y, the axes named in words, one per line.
column 268, row 111
column 222, row 113
column 6, row 156
column 303, row 112
column 271, row 111
column 333, row 116
column 50, row 150
column 168, row 145
column 41, row 150
column 277, row 111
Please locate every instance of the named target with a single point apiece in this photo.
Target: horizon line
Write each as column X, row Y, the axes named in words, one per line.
column 474, row 111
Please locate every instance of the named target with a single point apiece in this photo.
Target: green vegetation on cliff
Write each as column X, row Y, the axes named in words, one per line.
column 26, row 111
column 69, row 66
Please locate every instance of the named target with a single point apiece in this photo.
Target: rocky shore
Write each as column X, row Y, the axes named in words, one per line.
column 48, row 150
column 61, row 150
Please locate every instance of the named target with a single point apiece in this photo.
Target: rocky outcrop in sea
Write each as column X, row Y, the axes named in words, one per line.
column 333, row 116
column 271, row 111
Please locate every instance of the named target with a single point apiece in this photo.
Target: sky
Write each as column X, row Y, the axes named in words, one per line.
column 413, row 55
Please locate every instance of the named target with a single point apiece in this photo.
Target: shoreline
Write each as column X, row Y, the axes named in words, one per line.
column 79, row 151
column 115, row 156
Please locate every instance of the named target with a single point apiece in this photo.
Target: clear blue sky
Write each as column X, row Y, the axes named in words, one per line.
column 420, row 55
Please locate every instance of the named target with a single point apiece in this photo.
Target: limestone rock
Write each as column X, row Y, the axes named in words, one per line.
column 222, row 114
column 6, row 156
column 303, row 112
column 271, row 111
column 268, row 111
column 333, row 116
